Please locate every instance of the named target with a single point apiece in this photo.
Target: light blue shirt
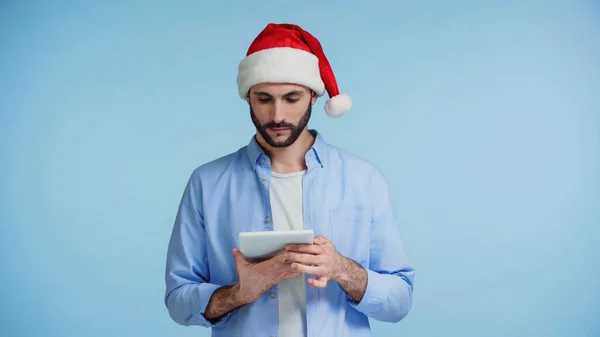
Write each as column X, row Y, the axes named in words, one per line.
column 345, row 199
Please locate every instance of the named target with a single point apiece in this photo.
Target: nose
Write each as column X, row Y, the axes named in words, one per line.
column 278, row 112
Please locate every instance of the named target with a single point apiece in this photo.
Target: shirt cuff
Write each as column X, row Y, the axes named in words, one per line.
column 200, row 298
column 372, row 299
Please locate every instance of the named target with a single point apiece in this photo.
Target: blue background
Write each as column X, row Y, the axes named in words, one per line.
column 484, row 117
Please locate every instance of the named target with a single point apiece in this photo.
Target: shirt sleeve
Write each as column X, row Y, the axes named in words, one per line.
column 390, row 278
column 188, row 289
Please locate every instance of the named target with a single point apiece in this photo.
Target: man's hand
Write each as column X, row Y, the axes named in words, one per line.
column 254, row 279
column 319, row 259
column 323, row 261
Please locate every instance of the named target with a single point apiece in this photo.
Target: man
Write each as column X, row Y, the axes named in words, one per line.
column 287, row 178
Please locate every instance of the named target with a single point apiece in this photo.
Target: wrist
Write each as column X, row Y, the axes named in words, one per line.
column 349, row 272
column 342, row 274
column 237, row 295
column 353, row 279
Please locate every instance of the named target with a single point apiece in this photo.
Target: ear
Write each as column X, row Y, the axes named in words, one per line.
column 313, row 97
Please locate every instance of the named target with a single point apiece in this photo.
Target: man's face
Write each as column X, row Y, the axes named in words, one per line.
column 280, row 112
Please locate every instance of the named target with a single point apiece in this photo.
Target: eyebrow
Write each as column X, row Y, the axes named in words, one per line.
column 291, row 93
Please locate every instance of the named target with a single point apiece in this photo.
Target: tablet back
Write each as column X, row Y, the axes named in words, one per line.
column 263, row 245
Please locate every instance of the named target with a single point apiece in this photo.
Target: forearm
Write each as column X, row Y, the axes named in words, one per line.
column 382, row 296
column 187, row 303
column 223, row 301
column 352, row 279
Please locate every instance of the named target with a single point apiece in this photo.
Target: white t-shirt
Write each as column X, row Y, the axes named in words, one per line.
column 286, row 207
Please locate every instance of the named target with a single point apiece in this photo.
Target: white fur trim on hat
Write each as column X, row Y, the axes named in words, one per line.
column 280, row 65
column 338, row 105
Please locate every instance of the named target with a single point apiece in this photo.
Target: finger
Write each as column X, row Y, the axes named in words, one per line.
column 306, row 259
column 312, row 270
column 280, row 257
column 238, row 256
column 294, row 275
column 277, row 259
column 307, row 249
column 320, row 282
column 320, row 240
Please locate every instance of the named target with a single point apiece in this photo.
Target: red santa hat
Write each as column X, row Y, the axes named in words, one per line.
column 285, row 53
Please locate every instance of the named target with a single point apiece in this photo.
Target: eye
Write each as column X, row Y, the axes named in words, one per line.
column 292, row 100
column 264, row 100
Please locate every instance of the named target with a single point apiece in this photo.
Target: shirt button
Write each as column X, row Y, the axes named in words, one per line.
column 267, row 219
column 272, row 335
column 273, row 295
column 264, row 181
column 262, row 159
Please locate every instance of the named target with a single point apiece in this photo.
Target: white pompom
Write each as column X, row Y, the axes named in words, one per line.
column 338, row 105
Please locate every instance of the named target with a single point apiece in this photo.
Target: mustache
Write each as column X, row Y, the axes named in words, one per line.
column 279, row 125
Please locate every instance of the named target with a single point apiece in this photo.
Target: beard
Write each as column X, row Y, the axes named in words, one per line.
column 295, row 130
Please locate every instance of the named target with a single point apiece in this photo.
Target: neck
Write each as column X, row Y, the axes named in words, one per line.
column 288, row 159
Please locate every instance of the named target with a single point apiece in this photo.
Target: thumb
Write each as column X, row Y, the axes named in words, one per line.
column 237, row 255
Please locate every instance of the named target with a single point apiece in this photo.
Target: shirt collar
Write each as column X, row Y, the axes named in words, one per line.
column 316, row 154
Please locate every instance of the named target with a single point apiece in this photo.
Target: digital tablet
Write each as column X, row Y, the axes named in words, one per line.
column 263, row 245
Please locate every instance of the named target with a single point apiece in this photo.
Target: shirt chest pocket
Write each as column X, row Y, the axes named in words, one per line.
column 350, row 233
